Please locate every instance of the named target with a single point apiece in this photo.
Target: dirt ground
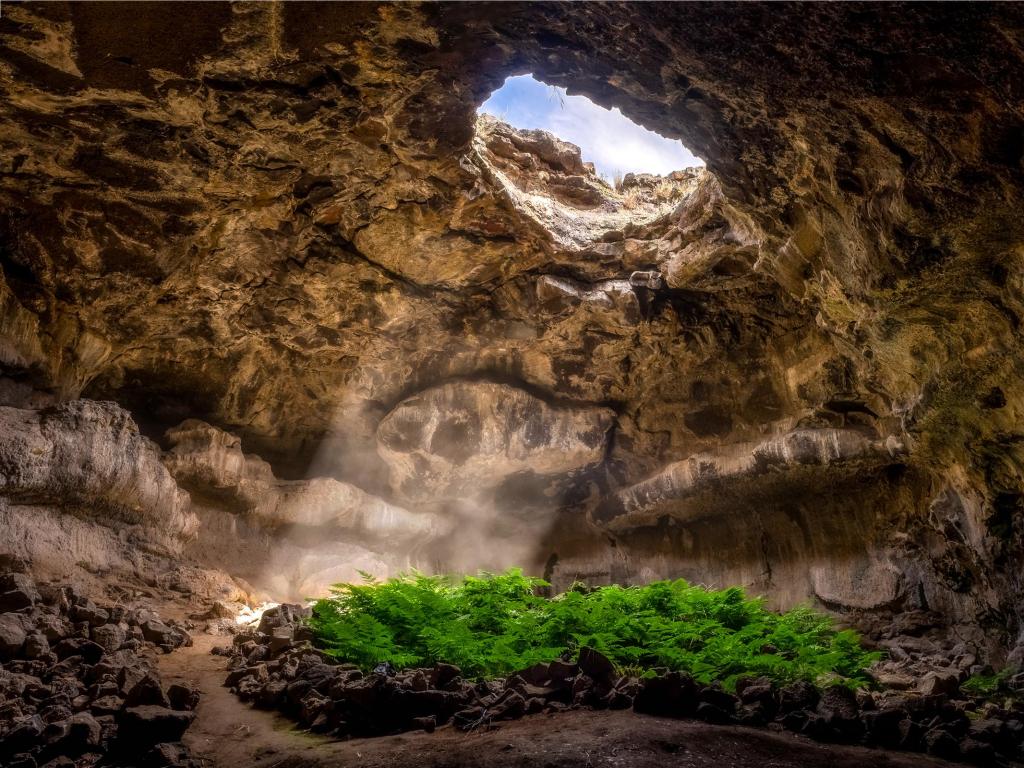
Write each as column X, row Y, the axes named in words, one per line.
column 230, row 734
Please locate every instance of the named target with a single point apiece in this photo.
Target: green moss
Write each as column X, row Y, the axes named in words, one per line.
column 491, row 625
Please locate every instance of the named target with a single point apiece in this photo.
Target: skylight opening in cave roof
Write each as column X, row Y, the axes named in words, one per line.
column 607, row 138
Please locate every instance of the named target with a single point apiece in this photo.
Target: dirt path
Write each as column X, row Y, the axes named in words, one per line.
column 230, row 734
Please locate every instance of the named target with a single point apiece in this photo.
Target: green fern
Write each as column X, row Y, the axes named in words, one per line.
column 493, row 624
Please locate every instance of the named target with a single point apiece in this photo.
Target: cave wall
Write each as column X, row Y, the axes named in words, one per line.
column 283, row 220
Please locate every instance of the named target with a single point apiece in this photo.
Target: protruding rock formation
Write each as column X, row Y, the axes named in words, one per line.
column 78, row 483
column 647, row 500
column 462, row 438
column 293, row 538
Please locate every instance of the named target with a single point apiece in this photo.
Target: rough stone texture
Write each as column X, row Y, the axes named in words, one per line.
column 455, row 440
column 292, row 538
column 278, row 220
column 89, row 459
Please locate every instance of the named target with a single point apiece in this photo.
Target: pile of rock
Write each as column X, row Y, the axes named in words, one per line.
column 937, row 724
column 275, row 667
column 78, row 686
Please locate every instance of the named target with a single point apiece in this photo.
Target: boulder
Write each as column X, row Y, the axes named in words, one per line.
column 36, row 646
column 12, row 635
column 147, row 691
column 939, row 682
column 183, row 697
column 75, row 646
column 596, row 665
column 670, row 695
column 444, row 674
column 796, row 696
column 110, row 636
column 83, row 731
column 151, row 724
column 89, row 612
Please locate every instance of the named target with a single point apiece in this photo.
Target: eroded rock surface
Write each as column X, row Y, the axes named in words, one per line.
column 292, row 538
column 86, row 460
column 289, row 225
column 454, row 441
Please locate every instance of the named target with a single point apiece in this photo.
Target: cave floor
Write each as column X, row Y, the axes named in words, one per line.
column 230, row 733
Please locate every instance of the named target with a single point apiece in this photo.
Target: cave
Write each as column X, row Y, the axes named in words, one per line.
column 282, row 305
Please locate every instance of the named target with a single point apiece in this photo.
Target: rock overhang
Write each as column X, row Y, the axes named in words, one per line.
column 272, row 229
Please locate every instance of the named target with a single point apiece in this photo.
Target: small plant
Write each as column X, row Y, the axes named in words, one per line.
column 492, row 625
column 617, row 181
column 986, row 686
column 632, row 198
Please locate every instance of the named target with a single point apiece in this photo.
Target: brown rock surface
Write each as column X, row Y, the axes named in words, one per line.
column 281, row 219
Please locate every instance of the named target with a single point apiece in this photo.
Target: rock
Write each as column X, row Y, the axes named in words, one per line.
column 12, row 635
column 280, row 639
column 797, row 696
column 271, row 694
column 759, row 691
column 36, row 646
column 17, row 599
column 753, row 715
column 24, row 734
column 110, row 636
column 469, row 718
column 107, row 705
column 147, row 725
column 75, row 646
column 561, row 670
column 280, row 616
column 977, row 752
column 156, row 632
column 837, row 716
column 19, row 581
column 88, row 611
column 258, row 671
column 183, row 697
column 883, row 727
column 895, row 681
column 147, row 691
column 220, row 610
column 442, row 675
column 427, row 724
column 53, row 628
column 934, row 683
column 712, row 714
column 941, row 744
column 715, row 696
column 595, row 664
column 83, row 731
column 463, row 437
column 669, row 695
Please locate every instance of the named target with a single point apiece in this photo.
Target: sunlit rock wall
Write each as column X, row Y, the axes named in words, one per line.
column 287, row 224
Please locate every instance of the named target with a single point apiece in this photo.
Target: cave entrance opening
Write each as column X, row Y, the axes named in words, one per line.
column 607, row 138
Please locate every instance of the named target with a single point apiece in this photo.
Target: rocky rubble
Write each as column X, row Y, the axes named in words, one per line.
column 275, row 666
column 78, row 682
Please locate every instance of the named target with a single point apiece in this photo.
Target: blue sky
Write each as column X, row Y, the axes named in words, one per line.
column 607, row 138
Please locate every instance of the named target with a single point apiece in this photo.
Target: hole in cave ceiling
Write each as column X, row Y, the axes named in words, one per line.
column 614, row 143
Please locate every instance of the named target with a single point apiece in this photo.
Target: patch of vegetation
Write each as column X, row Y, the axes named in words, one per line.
column 987, row 686
column 492, row 625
